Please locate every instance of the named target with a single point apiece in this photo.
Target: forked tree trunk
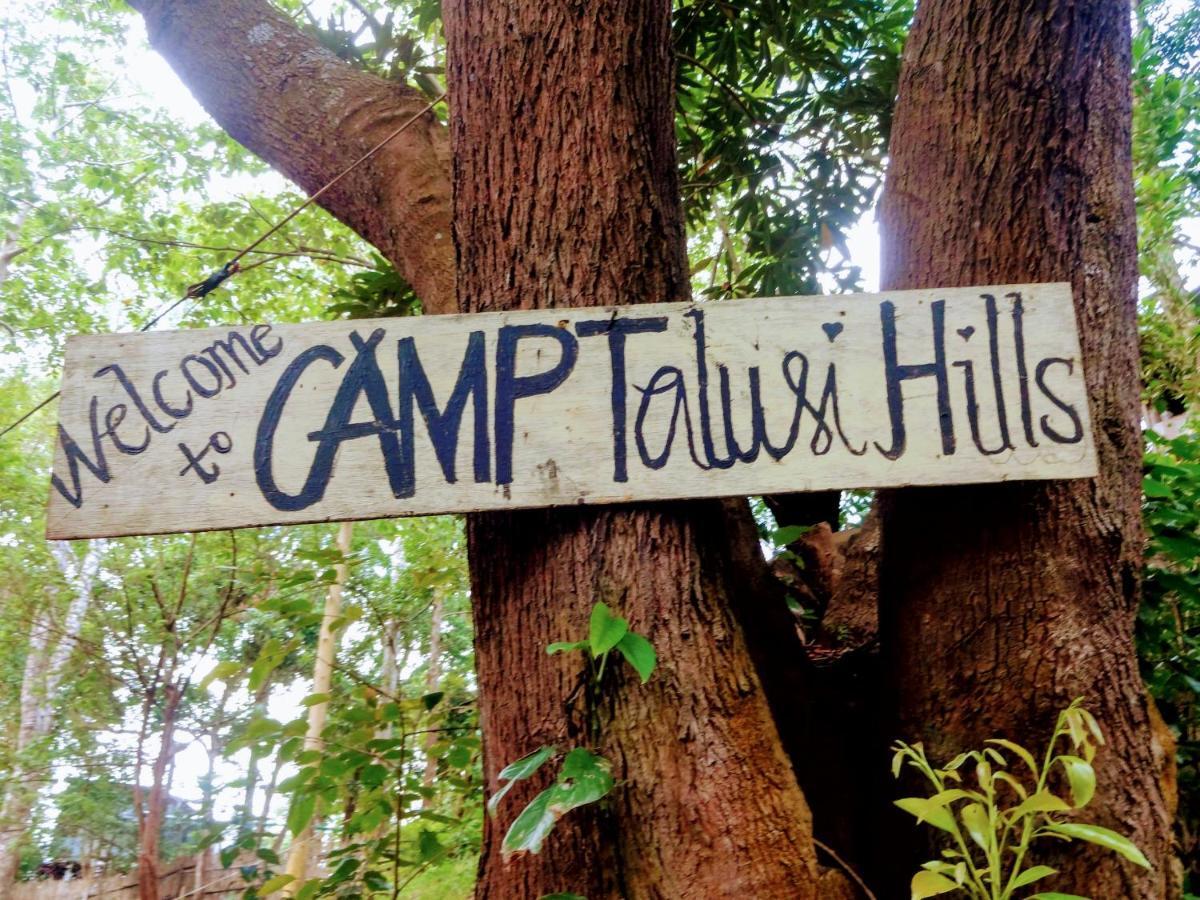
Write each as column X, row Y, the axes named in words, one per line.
column 566, row 194
column 1010, row 163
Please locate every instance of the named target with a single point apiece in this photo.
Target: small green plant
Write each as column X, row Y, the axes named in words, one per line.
column 992, row 828
column 584, row 777
column 608, row 632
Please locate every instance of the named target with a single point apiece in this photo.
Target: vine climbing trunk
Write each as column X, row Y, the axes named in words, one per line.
column 1010, row 163
column 566, row 194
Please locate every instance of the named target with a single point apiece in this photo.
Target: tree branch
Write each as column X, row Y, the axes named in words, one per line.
column 289, row 100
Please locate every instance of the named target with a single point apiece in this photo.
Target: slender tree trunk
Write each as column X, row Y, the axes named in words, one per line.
column 49, row 650
column 150, row 824
column 566, row 194
column 299, row 860
column 433, row 680
column 1010, row 163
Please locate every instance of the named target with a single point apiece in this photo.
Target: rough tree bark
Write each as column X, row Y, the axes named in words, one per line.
column 1010, row 162
column 566, row 194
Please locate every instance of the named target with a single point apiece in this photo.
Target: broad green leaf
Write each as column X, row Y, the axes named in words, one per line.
column 930, row 884
column 428, row 845
column 585, row 778
column 301, row 811
column 927, row 811
column 314, row 699
column 605, row 629
column 1102, row 837
column 517, row 771
column 639, row 653
column 975, row 818
column 1082, row 778
column 1042, row 801
column 271, row 885
column 1032, row 874
column 788, row 534
column 1155, row 488
column 429, row 701
column 566, row 646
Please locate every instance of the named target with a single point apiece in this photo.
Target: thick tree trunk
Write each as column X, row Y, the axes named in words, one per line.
column 1010, row 162
column 283, row 96
column 566, row 195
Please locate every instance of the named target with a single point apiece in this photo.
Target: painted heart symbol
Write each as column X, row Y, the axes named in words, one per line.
column 967, row 332
column 832, row 330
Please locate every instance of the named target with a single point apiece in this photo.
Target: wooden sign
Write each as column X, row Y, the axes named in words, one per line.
column 269, row 424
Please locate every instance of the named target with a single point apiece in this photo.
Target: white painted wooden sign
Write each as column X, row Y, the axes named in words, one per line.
column 268, row 424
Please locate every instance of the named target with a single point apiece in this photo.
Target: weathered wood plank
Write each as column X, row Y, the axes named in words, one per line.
column 251, row 425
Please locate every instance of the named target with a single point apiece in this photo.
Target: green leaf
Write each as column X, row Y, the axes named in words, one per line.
column 605, row 629
column 566, row 646
column 927, row 811
column 433, row 699
column 1082, row 778
column 1032, row 874
column 266, row 854
column 271, row 885
column 301, row 812
column 314, row 699
column 585, row 778
column 1155, row 488
column 517, row 771
column 788, row 534
column 975, row 818
column 1102, row 837
column 428, row 845
column 1042, row 801
column 1025, row 756
column 222, row 670
column 639, row 653
column 930, row 884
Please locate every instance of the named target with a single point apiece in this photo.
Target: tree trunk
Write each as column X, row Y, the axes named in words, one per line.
column 151, row 823
column 566, row 194
column 45, row 662
column 433, row 681
column 282, row 95
column 1010, row 163
column 299, row 860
